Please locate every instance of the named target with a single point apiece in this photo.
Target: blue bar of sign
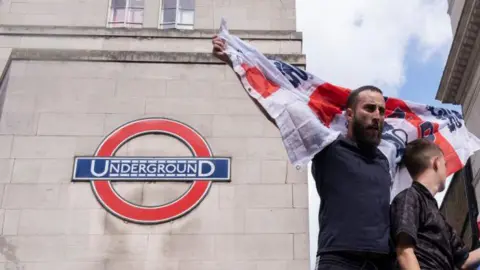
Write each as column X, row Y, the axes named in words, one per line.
column 151, row 169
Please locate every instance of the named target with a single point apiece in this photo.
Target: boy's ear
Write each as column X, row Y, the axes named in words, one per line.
column 435, row 163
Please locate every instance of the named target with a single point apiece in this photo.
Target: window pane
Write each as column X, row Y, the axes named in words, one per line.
column 169, row 4
column 169, row 15
column 137, row 3
column 186, row 17
column 118, row 15
column 187, row 4
column 119, row 3
column 135, row 16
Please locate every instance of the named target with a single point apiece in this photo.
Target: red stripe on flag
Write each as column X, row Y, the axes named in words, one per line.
column 327, row 101
column 259, row 82
column 454, row 163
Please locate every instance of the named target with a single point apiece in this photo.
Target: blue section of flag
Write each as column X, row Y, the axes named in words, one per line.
column 151, row 169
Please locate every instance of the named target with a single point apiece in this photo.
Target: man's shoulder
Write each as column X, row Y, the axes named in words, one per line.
column 408, row 195
column 331, row 146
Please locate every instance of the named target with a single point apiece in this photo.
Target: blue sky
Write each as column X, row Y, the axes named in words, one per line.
column 423, row 78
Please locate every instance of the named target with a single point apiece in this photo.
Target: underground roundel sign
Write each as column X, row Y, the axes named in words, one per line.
column 103, row 168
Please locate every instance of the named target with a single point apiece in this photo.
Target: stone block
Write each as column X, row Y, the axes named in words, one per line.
column 115, row 120
column 266, row 148
column 230, row 88
column 203, row 124
column 21, row 196
column 298, row 264
column 270, row 130
column 181, row 247
column 274, row 171
column 245, row 171
column 141, row 87
column 291, row 47
column 256, row 196
column 77, row 196
column 277, row 221
column 35, row 248
column 36, row 8
column 42, row 171
column 54, row 222
column 190, row 89
column 106, row 247
column 17, row 123
column 43, row 147
column 6, row 168
column 300, row 195
column 210, row 220
column 77, row 43
column 296, row 176
column 236, row 106
column 70, row 124
column 6, row 143
column 301, row 246
column 56, row 266
column 251, row 247
column 218, row 265
column 237, row 126
column 150, row 71
column 19, row 103
column 229, row 147
column 164, row 265
column 180, row 106
column 10, row 222
column 72, row 69
column 116, row 226
column 86, row 146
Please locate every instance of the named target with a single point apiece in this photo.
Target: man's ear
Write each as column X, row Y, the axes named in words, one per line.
column 349, row 114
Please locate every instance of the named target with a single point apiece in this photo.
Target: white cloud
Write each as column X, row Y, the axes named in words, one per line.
column 357, row 42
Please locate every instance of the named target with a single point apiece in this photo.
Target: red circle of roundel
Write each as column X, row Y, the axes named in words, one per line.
column 123, row 209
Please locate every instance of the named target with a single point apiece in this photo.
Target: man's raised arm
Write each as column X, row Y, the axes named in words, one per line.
column 219, row 52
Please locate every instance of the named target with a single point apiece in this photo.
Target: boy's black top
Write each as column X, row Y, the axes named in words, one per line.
column 415, row 212
column 354, row 188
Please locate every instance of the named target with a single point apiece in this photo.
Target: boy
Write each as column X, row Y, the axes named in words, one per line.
column 423, row 239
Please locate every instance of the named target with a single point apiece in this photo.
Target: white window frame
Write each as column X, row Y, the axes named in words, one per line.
column 125, row 24
column 177, row 24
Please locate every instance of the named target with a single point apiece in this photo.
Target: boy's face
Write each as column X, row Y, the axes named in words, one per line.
column 441, row 170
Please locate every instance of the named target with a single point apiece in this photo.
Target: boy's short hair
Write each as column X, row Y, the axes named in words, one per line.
column 418, row 154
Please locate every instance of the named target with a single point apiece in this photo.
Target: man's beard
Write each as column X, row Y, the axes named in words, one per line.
column 362, row 136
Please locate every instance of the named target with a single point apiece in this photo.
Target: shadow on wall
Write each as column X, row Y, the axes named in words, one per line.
column 4, row 76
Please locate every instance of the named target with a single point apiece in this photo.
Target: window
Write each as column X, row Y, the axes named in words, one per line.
column 178, row 14
column 126, row 13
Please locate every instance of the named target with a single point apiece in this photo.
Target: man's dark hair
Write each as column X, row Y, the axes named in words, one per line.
column 418, row 154
column 353, row 97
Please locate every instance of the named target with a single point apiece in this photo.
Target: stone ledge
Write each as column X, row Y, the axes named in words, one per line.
column 461, row 59
column 133, row 56
column 74, row 31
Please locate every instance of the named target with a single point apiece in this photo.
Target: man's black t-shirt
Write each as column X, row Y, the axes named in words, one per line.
column 354, row 189
column 415, row 212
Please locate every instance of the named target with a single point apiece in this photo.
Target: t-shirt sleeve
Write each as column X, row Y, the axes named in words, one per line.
column 405, row 215
column 459, row 249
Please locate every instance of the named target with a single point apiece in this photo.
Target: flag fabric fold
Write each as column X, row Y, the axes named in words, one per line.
column 309, row 113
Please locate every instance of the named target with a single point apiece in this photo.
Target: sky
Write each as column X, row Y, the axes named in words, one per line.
column 399, row 46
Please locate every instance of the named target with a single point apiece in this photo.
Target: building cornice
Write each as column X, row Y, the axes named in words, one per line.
column 81, row 31
column 463, row 56
column 133, row 56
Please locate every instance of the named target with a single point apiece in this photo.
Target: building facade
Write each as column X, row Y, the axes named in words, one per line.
column 73, row 71
column 460, row 85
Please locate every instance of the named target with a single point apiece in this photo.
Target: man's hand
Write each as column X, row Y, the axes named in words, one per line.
column 219, row 49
